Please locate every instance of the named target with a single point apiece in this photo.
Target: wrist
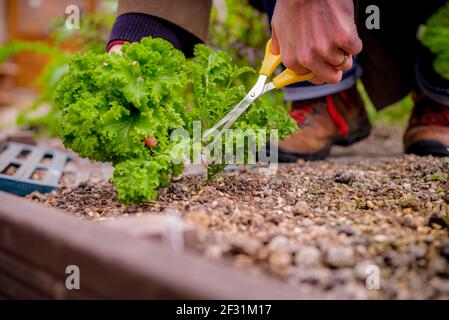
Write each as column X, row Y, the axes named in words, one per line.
column 132, row 27
column 115, row 46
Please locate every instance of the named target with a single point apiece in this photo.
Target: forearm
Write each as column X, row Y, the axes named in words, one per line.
column 181, row 22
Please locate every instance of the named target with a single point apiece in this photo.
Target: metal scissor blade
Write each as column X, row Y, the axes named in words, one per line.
column 233, row 116
column 268, row 87
column 225, row 119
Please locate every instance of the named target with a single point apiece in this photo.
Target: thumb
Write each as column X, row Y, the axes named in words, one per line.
column 274, row 43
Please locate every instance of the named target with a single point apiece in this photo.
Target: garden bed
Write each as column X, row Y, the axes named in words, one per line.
column 37, row 244
column 319, row 227
column 315, row 225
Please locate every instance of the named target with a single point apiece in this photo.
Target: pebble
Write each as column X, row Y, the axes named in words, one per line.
column 280, row 259
column 363, row 269
column 438, row 222
column 348, row 177
column 243, row 261
column 339, row 257
column 315, row 276
column 307, row 255
column 370, row 204
column 307, row 222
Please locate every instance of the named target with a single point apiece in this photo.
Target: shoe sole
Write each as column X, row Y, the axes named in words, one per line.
column 285, row 156
column 427, row 148
column 363, row 131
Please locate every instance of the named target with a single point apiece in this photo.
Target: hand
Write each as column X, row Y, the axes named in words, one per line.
column 316, row 35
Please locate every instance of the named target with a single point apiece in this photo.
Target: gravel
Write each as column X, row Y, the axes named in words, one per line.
column 367, row 223
column 325, row 225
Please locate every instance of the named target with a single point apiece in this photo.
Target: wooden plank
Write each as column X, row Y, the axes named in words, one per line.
column 37, row 279
column 14, row 289
column 116, row 265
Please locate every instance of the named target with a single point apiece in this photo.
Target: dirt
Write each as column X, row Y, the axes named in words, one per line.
column 67, row 179
column 329, row 225
column 38, row 174
column 11, row 170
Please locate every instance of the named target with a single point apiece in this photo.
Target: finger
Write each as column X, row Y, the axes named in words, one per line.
column 336, row 58
column 298, row 68
column 348, row 65
column 323, row 70
column 274, row 43
column 345, row 61
column 352, row 44
column 289, row 60
column 317, row 81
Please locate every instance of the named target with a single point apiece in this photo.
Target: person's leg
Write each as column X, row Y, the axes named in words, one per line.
column 387, row 57
column 388, row 62
column 168, row 19
column 395, row 64
column 428, row 129
column 326, row 114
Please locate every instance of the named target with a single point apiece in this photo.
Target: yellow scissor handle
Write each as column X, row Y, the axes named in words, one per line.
column 270, row 61
column 288, row 76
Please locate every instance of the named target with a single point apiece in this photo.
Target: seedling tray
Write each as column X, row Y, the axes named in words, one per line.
column 25, row 168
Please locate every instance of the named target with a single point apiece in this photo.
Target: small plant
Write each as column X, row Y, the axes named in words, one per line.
column 435, row 35
column 436, row 177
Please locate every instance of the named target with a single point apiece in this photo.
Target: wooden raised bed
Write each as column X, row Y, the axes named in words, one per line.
column 38, row 243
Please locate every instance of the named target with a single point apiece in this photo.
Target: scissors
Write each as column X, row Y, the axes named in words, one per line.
column 269, row 65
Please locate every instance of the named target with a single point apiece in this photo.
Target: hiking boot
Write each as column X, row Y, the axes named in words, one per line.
column 338, row 119
column 428, row 129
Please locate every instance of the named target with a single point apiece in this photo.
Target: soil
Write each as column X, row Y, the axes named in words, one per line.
column 326, row 226
column 38, row 174
column 10, row 170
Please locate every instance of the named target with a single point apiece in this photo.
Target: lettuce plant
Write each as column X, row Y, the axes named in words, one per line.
column 109, row 104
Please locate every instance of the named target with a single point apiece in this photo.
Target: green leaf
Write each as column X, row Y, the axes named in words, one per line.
column 108, row 104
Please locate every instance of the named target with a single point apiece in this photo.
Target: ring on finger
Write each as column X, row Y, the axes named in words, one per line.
column 343, row 63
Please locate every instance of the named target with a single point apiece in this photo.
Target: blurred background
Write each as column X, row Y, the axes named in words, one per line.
column 35, row 45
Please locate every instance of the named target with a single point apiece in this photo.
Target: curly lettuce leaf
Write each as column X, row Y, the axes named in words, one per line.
column 217, row 89
column 108, row 105
column 138, row 180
